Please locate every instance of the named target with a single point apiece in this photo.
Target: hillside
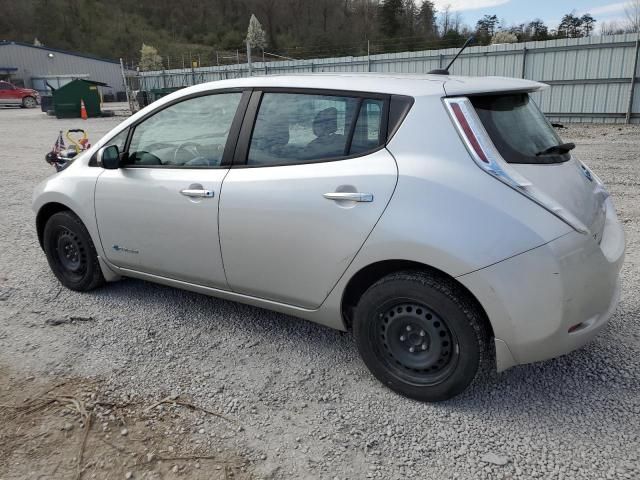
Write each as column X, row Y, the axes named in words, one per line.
column 213, row 31
column 203, row 27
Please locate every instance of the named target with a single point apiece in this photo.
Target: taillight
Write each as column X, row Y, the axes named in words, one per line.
column 468, row 133
column 487, row 157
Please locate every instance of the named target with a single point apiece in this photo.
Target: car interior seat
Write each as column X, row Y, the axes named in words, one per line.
column 327, row 143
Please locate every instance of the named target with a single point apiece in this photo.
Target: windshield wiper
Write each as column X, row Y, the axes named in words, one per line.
column 561, row 148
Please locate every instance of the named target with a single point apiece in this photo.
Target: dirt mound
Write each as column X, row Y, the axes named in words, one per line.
column 70, row 429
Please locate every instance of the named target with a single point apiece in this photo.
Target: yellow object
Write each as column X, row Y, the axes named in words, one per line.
column 77, row 144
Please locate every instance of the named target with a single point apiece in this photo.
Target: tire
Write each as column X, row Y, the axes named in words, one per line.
column 422, row 336
column 71, row 253
column 29, row 102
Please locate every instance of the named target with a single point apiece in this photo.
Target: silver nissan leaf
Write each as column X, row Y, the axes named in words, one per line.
column 440, row 219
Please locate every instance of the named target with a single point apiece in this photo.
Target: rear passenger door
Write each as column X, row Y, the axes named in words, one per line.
column 309, row 181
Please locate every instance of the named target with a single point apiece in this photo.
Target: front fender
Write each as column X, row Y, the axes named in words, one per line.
column 74, row 189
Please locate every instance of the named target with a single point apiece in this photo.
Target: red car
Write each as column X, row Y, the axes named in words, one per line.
column 12, row 95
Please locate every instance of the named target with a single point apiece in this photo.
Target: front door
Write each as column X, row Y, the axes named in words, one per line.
column 316, row 179
column 159, row 213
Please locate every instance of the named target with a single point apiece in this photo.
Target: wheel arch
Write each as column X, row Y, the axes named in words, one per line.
column 44, row 214
column 370, row 274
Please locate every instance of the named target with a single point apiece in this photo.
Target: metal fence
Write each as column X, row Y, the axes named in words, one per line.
column 592, row 79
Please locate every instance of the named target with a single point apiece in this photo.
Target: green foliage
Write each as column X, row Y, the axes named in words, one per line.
column 391, row 17
column 572, row 26
column 486, row 28
column 427, row 19
column 538, row 30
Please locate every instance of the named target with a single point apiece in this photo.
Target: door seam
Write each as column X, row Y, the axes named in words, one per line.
column 395, row 186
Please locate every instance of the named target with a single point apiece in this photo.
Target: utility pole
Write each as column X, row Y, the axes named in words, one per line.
column 126, row 88
column 368, row 56
column 633, row 80
column 249, row 57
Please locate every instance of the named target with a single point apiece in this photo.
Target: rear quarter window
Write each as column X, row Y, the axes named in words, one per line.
column 518, row 128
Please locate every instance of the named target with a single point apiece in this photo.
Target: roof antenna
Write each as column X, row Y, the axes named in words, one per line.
column 445, row 71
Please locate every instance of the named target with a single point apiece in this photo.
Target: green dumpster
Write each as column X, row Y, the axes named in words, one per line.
column 66, row 99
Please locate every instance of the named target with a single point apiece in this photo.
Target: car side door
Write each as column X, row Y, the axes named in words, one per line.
column 158, row 213
column 8, row 94
column 310, row 179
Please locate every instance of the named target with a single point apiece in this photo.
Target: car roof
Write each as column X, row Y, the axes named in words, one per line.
column 392, row 83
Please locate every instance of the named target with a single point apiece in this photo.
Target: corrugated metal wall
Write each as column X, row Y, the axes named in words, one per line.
column 36, row 62
column 590, row 77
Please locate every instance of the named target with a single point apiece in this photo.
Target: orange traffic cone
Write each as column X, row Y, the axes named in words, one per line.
column 83, row 110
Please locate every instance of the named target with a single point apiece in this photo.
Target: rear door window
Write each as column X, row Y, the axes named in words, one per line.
column 293, row 128
column 518, row 129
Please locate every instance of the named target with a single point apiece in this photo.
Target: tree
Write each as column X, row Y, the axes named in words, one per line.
column 588, row 23
column 611, row 28
column 570, row 26
column 456, row 22
column 520, row 32
column 538, row 30
column 149, row 58
column 632, row 12
column 255, row 34
column 453, row 38
column 390, row 17
column 427, row 19
column 486, row 28
column 503, row 37
column 270, row 11
column 445, row 20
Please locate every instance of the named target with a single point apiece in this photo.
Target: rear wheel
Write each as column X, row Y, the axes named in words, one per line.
column 71, row 253
column 421, row 335
column 29, row 102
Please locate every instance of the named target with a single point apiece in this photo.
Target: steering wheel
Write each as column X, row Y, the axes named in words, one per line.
column 191, row 148
column 143, row 157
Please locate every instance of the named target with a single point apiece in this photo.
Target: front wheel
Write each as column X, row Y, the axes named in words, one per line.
column 421, row 335
column 71, row 253
column 29, row 102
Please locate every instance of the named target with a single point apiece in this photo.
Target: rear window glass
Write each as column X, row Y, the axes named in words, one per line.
column 518, row 128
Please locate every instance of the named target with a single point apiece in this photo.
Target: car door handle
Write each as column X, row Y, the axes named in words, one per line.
column 197, row 192
column 350, row 196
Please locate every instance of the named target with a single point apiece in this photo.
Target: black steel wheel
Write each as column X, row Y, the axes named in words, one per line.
column 421, row 335
column 415, row 342
column 71, row 253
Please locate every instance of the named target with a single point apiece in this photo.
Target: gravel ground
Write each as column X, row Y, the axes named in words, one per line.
column 307, row 405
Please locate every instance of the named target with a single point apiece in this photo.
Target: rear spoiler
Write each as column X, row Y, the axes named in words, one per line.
column 459, row 86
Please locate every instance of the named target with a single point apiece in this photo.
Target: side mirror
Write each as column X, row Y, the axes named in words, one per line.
column 109, row 157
